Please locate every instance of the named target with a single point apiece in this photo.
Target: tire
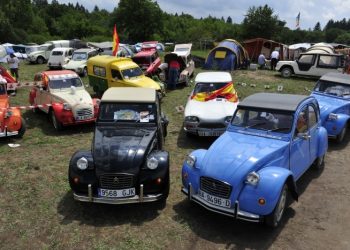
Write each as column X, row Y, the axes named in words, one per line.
column 166, row 189
column 40, row 60
column 274, row 219
column 22, row 130
column 84, row 72
column 56, row 124
column 286, row 72
column 341, row 136
column 319, row 162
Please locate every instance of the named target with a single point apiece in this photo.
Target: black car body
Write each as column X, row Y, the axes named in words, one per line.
column 126, row 163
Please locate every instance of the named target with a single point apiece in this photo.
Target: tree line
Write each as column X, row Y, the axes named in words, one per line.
column 24, row 21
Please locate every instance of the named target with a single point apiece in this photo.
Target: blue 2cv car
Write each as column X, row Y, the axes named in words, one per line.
column 332, row 92
column 250, row 170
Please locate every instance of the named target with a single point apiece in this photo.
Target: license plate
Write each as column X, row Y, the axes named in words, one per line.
column 83, row 117
column 209, row 133
column 112, row 193
column 217, row 201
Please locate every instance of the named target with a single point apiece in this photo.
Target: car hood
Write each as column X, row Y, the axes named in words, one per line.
column 143, row 81
column 328, row 104
column 74, row 64
column 121, row 150
column 214, row 109
column 233, row 155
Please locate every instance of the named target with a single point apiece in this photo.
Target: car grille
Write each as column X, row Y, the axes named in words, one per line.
column 84, row 112
column 116, row 181
column 215, row 187
column 211, row 125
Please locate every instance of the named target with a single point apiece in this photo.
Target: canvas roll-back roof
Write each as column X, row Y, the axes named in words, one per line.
column 129, row 94
column 336, row 77
column 214, row 76
column 274, row 101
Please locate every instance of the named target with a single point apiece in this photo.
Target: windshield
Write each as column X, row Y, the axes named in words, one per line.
column 65, row 83
column 57, row 53
column 267, row 120
column 142, row 60
column 31, row 49
column 206, row 87
column 125, row 112
column 133, row 72
column 79, row 56
column 333, row 88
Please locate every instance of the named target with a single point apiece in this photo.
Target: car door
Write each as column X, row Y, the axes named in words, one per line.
column 313, row 130
column 305, row 62
column 327, row 63
column 116, row 80
column 300, row 144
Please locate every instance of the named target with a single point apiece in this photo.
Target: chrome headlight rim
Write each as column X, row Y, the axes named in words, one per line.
column 190, row 160
column 82, row 163
column 333, row 117
column 228, row 119
column 252, row 178
column 152, row 163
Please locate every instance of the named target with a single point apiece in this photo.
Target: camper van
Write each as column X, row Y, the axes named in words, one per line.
column 43, row 53
column 59, row 57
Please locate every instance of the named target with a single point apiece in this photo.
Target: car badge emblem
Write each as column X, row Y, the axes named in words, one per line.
column 116, row 180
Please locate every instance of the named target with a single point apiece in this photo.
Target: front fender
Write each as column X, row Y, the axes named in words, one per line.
column 272, row 180
column 191, row 174
column 334, row 127
column 322, row 141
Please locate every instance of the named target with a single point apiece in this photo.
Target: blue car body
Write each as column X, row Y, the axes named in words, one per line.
column 217, row 179
column 332, row 92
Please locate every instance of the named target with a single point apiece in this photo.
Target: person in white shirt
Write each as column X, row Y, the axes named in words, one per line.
column 275, row 55
column 13, row 64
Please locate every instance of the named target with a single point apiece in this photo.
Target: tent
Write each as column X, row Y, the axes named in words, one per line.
column 227, row 55
column 258, row 46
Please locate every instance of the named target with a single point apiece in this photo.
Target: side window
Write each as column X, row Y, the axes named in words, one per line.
column 116, row 74
column 327, row 61
column 99, row 71
column 301, row 125
column 307, row 59
column 312, row 116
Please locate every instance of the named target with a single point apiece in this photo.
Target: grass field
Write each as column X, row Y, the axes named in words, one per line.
column 36, row 205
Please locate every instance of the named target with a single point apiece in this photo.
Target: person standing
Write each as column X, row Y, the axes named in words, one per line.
column 174, row 67
column 13, row 63
column 262, row 61
column 275, row 55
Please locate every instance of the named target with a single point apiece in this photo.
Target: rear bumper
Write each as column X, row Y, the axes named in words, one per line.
column 234, row 212
column 140, row 198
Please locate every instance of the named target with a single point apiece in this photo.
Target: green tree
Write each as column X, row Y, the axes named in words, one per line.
column 317, row 27
column 229, row 20
column 343, row 38
column 260, row 22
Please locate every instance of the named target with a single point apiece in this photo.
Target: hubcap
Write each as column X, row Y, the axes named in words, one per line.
column 281, row 205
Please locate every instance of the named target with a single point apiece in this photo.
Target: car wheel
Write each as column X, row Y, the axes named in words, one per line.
column 274, row 219
column 341, row 136
column 84, row 72
column 286, row 72
column 57, row 125
column 166, row 189
column 319, row 162
column 22, row 130
column 40, row 60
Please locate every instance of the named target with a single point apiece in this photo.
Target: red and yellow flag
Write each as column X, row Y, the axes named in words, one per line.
column 115, row 41
column 228, row 92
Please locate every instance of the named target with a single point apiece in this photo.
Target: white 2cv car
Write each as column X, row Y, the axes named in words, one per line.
column 210, row 105
column 62, row 95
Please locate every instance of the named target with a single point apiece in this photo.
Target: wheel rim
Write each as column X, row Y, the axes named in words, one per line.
column 342, row 134
column 281, row 205
column 286, row 73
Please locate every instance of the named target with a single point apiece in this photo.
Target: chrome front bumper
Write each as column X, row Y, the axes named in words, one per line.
column 235, row 212
column 6, row 133
column 205, row 131
column 134, row 199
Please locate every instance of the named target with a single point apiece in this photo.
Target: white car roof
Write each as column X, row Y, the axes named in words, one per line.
column 183, row 49
column 129, row 94
column 61, row 49
column 213, row 77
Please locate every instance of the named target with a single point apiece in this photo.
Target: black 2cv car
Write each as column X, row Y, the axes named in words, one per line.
column 126, row 163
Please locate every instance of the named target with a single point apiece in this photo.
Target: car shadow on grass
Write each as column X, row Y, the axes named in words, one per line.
column 333, row 145
column 189, row 141
column 101, row 215
column 41, row 120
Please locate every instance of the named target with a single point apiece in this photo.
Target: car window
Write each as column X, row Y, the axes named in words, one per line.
column 65, row 83
column 132, row 72
column 116, row 74
column 333, row 88
column 312, row 116
column 206, row 87
column 99, row 71
column 57, row 53
column 307, row 59
column 328, row 61
column 125, row 112
column 80, row 56
column 302, row 122
column 267, row 120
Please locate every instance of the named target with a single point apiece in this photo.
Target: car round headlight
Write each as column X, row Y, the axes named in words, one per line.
column 190, row 160
column 228, row 119
column 191, row 119
column 253, row 178
column 67, row 106
column 152, row 163
column 82, row 163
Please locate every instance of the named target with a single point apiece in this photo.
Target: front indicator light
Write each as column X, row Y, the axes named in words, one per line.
column 76, row 180
column 262, row 201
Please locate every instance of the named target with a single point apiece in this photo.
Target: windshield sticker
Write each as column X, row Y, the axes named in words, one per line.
column 144, row 116
column 126, row 114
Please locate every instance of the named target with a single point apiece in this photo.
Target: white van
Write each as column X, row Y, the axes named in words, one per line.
column 59, row 57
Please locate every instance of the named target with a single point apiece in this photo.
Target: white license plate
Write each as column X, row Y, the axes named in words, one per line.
column 217, row 201
column 84, row 117
column 209, row 133
column 112, row 193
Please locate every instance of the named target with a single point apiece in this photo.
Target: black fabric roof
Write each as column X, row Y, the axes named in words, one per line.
column 285, row 102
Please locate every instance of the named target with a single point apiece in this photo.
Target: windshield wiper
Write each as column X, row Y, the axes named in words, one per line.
column 256, row 124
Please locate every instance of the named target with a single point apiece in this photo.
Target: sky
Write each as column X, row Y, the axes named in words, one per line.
column 311, row 11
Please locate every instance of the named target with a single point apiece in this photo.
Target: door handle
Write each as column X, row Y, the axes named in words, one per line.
column 306, row 137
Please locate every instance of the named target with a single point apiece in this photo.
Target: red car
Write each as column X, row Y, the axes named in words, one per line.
column 62, row 95
column 148, row 59
column 11, row 81
column 11, row 121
